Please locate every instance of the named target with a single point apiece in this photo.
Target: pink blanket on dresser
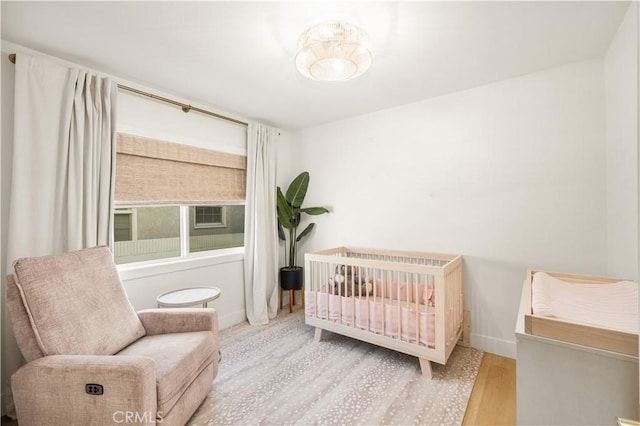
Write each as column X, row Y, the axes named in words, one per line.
column 612, row 306
column 394, row 316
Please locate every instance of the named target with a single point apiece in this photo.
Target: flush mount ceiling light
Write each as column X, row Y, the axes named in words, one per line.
column 333, row 51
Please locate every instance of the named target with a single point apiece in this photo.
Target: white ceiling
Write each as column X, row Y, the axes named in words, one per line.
column 238, row 56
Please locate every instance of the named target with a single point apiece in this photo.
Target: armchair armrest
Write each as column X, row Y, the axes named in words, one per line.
column 52, row 390
column 180, row 320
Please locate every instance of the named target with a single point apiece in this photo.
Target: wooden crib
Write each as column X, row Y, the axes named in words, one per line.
column 406, row 301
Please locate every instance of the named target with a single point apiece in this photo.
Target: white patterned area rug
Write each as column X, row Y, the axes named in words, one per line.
column 278, row 375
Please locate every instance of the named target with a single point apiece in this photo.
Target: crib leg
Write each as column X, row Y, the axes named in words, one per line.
column 318, row 335
column 425, row 366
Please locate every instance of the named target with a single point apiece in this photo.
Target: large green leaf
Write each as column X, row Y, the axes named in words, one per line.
column 306, row 231
column 285, row 212
column 298, row 190
column 315, row 210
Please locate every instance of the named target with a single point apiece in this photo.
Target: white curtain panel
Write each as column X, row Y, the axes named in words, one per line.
column 62, row 168
column 260, row 229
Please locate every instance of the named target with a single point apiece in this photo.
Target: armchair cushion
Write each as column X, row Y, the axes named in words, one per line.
column 73, row 302
column 179, row 359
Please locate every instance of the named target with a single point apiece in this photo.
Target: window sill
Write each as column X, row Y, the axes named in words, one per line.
column 131, row 271
column 209, row 225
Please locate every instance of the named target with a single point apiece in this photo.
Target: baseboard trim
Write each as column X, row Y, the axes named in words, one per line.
column 493, row 345
column 233, row 318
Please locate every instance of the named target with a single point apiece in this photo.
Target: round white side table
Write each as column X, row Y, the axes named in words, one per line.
column 188, row 297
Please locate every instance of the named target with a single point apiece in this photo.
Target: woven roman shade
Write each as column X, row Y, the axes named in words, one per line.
column 153, row 172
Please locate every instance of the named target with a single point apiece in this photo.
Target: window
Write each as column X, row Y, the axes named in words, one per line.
column 210, row 217
column 215, row 227
column 156, row 236
column 164, row 195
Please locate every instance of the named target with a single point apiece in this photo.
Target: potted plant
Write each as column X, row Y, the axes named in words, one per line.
column 290, row 210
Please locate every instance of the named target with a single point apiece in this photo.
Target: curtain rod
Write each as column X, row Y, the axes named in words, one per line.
column 185, row 107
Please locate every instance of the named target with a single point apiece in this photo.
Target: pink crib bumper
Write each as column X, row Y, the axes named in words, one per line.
column 390, row 319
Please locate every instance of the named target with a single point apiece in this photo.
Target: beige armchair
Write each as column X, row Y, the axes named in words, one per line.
column 91, row 359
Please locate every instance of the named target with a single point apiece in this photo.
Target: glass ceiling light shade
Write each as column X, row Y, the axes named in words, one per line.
column 333, row 51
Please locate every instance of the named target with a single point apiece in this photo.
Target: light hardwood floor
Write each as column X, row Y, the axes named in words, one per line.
column 492, row 401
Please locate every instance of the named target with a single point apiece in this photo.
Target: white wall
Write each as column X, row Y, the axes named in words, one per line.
column 622, row 92
column 288, row 168
column 621, row 95
column 288, row 158
column 139, row 115
column 226, row 272
column 511, row 175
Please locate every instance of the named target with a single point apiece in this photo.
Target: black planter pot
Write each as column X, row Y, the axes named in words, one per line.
column 291, row 278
